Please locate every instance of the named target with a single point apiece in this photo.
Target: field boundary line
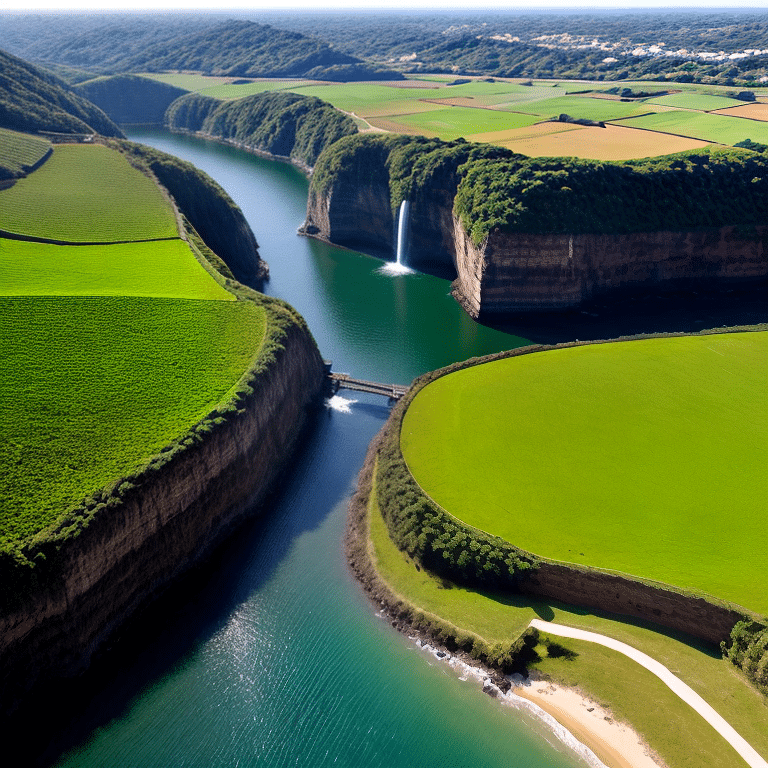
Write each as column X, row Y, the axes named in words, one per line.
column 674, row 683
column 49, row 241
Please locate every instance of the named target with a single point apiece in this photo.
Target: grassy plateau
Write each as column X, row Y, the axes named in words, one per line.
column 674, row 730
column 646, row 457
column 111, row 352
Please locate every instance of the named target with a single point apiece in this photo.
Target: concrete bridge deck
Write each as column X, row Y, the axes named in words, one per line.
column 345, row 381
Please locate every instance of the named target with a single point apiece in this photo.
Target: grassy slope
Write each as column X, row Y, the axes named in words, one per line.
column 629, row 691
column 87, row 193
column 609, row 455
column 19, row 151
column 93, row 387
column 131, row 269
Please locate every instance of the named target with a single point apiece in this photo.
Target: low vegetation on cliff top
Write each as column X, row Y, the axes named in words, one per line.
column 622, row 456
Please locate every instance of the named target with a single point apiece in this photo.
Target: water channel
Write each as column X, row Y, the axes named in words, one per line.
column 272, row 656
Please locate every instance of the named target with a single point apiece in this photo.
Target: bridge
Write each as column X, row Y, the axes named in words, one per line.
column 345, row 381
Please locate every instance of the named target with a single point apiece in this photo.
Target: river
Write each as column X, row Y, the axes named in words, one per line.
column 271, row 655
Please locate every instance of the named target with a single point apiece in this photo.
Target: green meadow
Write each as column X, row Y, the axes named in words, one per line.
column 129, row 269
column 87, row 193
column 19, row 151
column 646, row 457
column 583, row 107
column 455, row 122
column 92, row 388
column 631, row 692
column 722, row 129
column 110, row 352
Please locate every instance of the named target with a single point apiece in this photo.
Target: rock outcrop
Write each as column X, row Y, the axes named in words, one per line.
column 172, row 518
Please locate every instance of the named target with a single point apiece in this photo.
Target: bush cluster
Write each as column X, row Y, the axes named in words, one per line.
column 749, row 651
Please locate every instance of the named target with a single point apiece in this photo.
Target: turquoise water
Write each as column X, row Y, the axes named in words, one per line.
column 274, row 657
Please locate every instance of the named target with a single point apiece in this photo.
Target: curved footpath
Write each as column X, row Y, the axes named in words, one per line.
column 674, row 683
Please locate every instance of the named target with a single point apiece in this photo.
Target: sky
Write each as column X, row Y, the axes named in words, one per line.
column 255, row 5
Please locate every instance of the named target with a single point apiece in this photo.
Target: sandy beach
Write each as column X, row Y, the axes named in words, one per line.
column 616, row 744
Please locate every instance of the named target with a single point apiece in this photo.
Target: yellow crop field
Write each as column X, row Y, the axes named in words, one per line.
column 755, row 111
column 610, row 143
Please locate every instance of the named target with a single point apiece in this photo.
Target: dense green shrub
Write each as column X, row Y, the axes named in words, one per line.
column 749, row 651
column 188, row 112
column 562, row 195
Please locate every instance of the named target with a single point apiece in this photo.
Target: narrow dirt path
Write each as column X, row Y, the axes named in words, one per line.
column 674, row 683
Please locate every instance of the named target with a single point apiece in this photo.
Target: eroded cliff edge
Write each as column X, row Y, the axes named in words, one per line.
column 149, row 530
column 525, row 234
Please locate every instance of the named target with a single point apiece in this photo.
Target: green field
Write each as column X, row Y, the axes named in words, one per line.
column 646, row 457
column 19, row 151
column 700, row 101
column 583, row 107
column 449, row 124
column 87, row 193
column 131, row 269
column 112, row 352
column 93, row 387
column 673, row 728
column 722, row 129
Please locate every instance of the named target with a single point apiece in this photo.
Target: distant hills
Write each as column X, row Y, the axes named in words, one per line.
column 229, row 48
column 33, row 100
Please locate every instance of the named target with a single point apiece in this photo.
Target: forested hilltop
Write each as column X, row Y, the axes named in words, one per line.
column 210, row 45
column 33, row 100
column 279, row 123
column 707, row 46
column 498, row 190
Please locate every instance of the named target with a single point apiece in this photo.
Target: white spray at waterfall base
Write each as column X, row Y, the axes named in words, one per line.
column 398, row 267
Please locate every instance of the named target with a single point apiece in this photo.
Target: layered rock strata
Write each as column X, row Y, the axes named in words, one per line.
column 171, row 519
column 513, row 272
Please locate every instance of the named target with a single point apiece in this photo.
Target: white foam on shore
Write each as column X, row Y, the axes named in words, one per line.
column 340, row 404
column 511, row 699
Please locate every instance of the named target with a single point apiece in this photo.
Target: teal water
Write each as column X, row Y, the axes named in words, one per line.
column 276, row 658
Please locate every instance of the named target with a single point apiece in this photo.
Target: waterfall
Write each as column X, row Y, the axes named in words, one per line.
column 402, row 233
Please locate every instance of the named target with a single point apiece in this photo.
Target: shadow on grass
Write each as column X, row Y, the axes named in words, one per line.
column 545, row 610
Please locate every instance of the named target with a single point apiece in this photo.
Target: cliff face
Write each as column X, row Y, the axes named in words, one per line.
column 354, row 214
column 173, row 518
column 512, row 272
column 359, row 215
